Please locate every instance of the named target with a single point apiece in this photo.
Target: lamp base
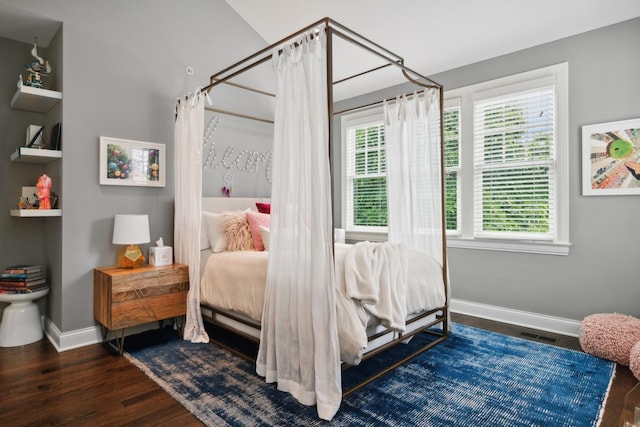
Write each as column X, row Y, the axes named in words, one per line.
column 130, row 257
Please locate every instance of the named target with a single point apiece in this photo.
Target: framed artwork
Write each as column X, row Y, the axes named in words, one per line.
column 611, row 158
column 126, row 162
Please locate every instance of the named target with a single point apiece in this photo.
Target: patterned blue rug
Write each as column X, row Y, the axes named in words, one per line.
column 474, row 378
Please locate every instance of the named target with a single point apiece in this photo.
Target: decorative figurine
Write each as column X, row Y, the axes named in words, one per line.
column 37, row 69
column 44, row 188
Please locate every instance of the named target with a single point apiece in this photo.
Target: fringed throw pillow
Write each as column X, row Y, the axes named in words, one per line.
column 237, row 232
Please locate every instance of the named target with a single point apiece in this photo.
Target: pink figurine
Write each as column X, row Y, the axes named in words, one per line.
column 44, row 188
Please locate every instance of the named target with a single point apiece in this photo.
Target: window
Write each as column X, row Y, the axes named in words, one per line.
column 513, row 170
column 514, row 164
column 506, row 166
column 452, row 164
column 365, row 173
column 365, row 190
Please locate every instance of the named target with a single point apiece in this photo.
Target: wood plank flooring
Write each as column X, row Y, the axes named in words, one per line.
column 90, row 386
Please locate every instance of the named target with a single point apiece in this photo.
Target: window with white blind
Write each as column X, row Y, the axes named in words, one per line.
column 506, row 166
column 452, row 119
column 514, row 163
column 365, row 173
column 364, row 168
column 513, row 174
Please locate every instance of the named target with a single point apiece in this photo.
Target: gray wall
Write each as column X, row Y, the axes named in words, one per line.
column 600, row 273
column 124, row 68
column 237, row 154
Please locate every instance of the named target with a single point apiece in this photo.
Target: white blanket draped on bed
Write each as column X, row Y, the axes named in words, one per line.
column 376, row 275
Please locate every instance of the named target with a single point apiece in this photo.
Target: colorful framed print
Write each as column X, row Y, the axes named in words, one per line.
column 133, row 163
column 611, row 158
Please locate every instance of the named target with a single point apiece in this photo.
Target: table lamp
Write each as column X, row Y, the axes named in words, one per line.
column 130, row 230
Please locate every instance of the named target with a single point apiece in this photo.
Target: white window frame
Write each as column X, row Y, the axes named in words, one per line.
column 455, row 102
column 466, row 239
column 362, row 118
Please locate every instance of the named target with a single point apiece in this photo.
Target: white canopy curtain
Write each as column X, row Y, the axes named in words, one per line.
column 412, row 129
column 298, row 340
column 189, row 128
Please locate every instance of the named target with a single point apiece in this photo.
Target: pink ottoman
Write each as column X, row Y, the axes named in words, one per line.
column 634, row 360
column 610, row 336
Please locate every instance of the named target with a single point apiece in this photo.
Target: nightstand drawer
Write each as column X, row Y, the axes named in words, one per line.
column 124, row 298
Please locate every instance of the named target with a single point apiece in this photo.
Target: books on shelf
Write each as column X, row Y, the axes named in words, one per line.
column 22, row 269
column 22, row 278
column 21, row 283
column 23, row 290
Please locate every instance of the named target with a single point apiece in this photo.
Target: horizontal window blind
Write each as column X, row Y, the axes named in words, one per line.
column 366, row 176
column 451, row 119
column 514, row 165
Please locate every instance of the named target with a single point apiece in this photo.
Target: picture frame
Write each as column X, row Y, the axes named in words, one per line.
column 132, row 163
column 611, row 158
column 55, row 142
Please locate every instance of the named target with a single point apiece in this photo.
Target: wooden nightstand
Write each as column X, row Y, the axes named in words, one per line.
column 128, row 297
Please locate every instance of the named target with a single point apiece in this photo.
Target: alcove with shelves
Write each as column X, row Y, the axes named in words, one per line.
column 35, row 100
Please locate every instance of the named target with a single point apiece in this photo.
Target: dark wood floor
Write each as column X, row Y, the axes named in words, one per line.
column 89, row 386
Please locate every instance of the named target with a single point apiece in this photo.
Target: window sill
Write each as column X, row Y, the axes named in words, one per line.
column 361, row 236
column 533, row 247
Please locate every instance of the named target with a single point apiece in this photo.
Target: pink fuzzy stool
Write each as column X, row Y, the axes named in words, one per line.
column 610, row 336
column 634, row 360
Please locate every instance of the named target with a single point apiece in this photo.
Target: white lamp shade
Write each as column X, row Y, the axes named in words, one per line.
column 131, row 229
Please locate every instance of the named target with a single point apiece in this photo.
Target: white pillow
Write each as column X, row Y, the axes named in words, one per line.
column 204, row 238
column 264, row 233
column 215, row 231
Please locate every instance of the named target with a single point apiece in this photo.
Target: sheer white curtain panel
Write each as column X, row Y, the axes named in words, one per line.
column 189, row 130
column 298, row 341
column 412, row 129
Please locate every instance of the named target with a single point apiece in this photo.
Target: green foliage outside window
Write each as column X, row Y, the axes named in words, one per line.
column 515, row 198
column 370, row 206
column 370, row 184
column 451, row 127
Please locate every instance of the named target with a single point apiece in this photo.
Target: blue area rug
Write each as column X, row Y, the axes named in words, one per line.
column 474, row 378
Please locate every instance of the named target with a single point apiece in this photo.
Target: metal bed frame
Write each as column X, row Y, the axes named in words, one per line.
column 421, row 322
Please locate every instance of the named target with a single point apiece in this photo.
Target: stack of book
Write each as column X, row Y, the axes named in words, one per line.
column 21, row 279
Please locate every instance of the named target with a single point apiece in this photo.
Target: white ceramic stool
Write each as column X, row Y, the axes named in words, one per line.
column 21, row 320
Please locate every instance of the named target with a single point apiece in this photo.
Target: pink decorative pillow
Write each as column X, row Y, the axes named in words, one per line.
column 263, row 207
column 237, row 232
column 256, row 220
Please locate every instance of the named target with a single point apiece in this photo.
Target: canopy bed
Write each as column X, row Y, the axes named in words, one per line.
column 314, row 305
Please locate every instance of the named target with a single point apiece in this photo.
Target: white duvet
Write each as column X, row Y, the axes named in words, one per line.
column 375, row 283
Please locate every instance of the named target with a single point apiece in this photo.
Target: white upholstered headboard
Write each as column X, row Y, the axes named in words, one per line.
column 221, row 204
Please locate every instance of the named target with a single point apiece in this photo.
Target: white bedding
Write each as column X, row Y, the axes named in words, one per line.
column 371, row 278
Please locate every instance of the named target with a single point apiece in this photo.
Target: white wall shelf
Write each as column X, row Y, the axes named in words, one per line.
column 32, row 213
column 38, row 101
column 35, row 155
column 33, row 99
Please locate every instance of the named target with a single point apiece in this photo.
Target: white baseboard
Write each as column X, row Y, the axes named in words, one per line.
column 527, row 319
column 63, row 341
